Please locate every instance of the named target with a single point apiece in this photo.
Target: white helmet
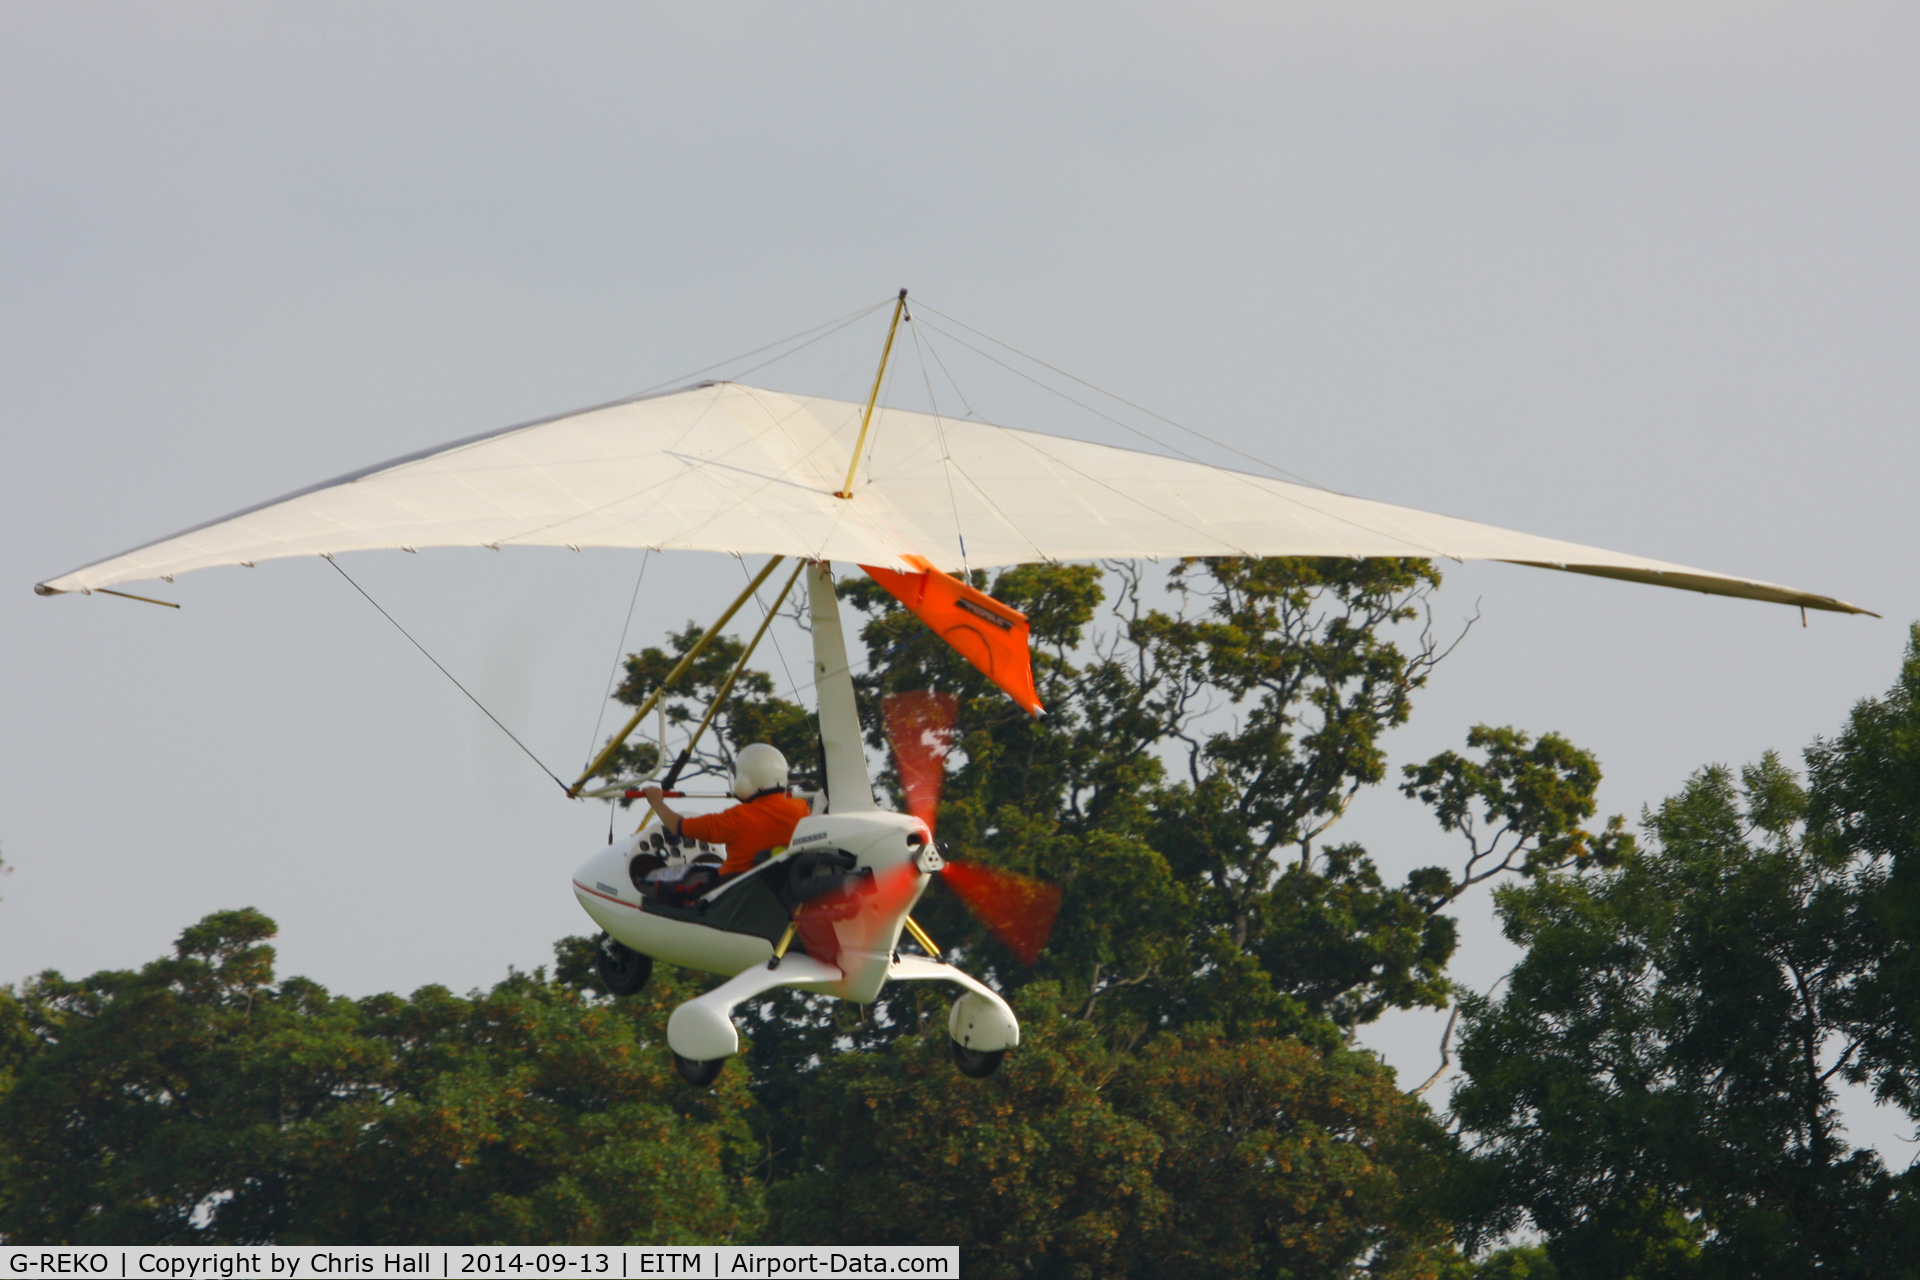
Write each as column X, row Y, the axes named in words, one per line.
column 759, row 767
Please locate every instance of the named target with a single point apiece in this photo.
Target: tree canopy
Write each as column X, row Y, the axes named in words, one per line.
column 1655, row 1089
column 1651, row 1092
column 201, row 1101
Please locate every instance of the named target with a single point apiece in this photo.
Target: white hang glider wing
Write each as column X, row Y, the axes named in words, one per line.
column 727, row 467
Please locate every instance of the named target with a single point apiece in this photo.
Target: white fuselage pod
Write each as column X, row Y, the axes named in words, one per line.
column 877, row 840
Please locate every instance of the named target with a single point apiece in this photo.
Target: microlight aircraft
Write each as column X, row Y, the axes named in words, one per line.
column 729, row 468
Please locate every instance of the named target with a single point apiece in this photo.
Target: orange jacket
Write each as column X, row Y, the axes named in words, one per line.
column 748, row 829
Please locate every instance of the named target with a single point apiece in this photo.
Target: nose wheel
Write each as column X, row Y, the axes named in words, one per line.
column 977, row 1063
column 697, row 1073
column 622, row 970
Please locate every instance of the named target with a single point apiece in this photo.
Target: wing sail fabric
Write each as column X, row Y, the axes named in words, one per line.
column 727, row 467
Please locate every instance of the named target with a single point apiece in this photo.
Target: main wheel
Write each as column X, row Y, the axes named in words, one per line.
column 978, row 1063
column 697, row 1073
column 622, row 970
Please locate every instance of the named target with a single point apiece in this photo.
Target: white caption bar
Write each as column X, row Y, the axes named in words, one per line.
column 302, row 1262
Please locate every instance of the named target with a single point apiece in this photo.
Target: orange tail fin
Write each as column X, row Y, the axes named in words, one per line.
column 990, row 635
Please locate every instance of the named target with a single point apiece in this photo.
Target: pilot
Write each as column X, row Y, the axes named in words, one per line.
column 763, row 820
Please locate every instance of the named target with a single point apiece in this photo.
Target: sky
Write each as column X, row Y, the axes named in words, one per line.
column 1639, row 275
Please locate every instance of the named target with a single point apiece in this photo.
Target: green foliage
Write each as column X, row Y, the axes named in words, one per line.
column 750, row 714
column 1526, row 1263
column 896, row 1147
column 1866, row 782
column 1654, row 1090
column 1183, row 1096
column 1351, row 946
column 1521, row 807
column 1190, row 759
column 1192, row 1155
column 1864, row 805
column 17, row 1045
column 200, row 1101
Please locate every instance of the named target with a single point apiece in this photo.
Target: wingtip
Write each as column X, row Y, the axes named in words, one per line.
column 1830, row 605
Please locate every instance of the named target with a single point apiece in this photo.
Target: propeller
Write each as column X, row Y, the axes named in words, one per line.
column 855, row 915
column 1018, row 910
column 921, row 727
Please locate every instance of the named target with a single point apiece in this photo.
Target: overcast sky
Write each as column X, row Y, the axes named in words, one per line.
column 1636, row 275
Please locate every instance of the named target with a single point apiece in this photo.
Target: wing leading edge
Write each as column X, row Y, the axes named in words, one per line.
column 727, row 467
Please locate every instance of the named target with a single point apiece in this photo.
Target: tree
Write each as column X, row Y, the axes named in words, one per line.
column 750, row 712
column 1864, row 807
column 1190, row 760
column 1530, row 797
column 1029, row 1172
column 1180, row 790
column 199, row 1100
column 1193, row 1154
column 1186, row 1093
column 1215, row 955
column 1177, row 790
column 1655, row 1088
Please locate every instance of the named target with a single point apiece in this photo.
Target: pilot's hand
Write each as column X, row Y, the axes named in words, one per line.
column 651, row 791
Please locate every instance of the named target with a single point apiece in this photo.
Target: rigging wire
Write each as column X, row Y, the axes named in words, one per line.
column 859, row 361
column 850, row 320
column 618, row 653
column 978, row 489
column 443, row 671
column 792, row 684
column 1180, row 426
column 946, row 454
column 1052, row 390
column 863, row 361
column 951, row 381
column 831, row 327
column 1435, row 552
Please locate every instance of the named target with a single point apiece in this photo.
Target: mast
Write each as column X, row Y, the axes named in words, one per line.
column 848, row 781
column 873, row 397
column 849, row 785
